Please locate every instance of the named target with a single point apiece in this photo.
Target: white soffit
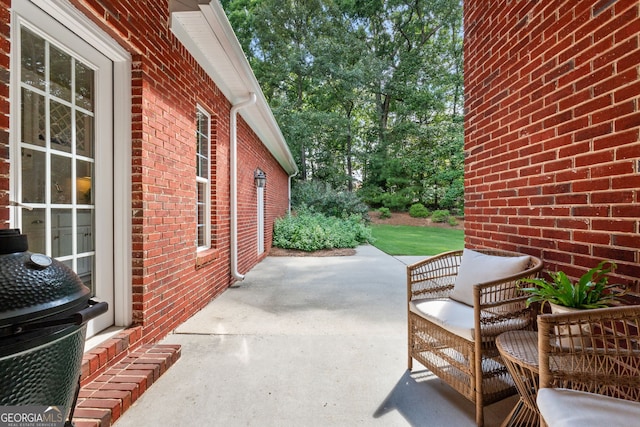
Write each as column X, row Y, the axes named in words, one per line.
column 203, row 28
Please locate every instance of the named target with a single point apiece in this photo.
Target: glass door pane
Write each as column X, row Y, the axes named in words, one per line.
column 57, row 153
column 62, row 148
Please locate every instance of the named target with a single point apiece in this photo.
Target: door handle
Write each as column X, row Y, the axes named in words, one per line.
column 20, row 205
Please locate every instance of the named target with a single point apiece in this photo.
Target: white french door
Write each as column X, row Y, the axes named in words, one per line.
column 62, row 150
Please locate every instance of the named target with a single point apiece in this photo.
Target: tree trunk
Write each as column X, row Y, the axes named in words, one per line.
column 349, row 147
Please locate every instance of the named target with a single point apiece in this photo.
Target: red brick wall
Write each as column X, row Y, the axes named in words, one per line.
column 551, row 130
column 170, row 280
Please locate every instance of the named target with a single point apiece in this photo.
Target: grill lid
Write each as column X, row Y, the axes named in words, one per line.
column 35, row 286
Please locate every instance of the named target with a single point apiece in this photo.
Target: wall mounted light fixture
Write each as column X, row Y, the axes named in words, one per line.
column 260, row 178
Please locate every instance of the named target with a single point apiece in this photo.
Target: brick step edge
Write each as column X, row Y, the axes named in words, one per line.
column 102, row 401
column 96, row 361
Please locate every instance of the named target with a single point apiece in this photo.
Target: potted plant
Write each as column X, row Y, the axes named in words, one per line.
column 592, row 290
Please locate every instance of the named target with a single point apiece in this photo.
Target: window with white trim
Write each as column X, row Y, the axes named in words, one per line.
column 203, row 179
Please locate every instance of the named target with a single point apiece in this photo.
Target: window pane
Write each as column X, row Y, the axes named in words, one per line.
column 68, row 263
column 86, row 269
column 32, row 59
column 202, row 160
column 60, row 127
column 201, row 213
column 33, row 225
column 85, row 233
column 34, row 169
column 202, row 168
column 84, row 86
column 84, row 180
column 60, row 74
column 203, row 124
column 61, row 232
column 32, row 118
column 84, row 134
column 202, row 195
column 201, row 240
column 60, row 179
column 203, row 144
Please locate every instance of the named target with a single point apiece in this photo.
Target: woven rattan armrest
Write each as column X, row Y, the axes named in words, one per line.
column 433, row 277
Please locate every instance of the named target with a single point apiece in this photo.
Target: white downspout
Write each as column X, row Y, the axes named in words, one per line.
column 233, row 136
column 290, row 176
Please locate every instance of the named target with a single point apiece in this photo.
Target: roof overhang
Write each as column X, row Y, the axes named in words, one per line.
column 204, row 30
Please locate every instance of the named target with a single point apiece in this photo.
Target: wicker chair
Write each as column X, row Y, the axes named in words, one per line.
column 455, row 340
column 590, row 367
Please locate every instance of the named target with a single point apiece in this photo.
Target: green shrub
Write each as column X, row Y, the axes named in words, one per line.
column 310, row 231
column 440, row 216
column 418, row 210
column 453, row 221
column 395, row 201
column 384, row 213
column 453, row 198
column 322, row 198
column 370, row 195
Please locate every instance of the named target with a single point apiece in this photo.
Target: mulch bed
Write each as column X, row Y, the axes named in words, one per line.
column 322, row 252
column 403, row 218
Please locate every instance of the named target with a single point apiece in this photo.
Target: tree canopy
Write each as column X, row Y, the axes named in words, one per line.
column 368, row 93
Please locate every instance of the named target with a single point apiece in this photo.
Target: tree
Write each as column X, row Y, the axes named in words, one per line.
column 339, row 66
column 364, row 90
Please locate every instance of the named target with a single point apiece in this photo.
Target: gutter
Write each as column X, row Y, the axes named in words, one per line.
column 233, row 136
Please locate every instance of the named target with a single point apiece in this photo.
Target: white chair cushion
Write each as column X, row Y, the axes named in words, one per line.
column 477, row 267
column 457, row 318
column 568, row 408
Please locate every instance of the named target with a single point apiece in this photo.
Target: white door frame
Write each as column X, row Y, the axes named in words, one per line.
column 81, row 25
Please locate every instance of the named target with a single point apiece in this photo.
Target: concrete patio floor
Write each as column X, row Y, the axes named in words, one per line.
column 305, row 341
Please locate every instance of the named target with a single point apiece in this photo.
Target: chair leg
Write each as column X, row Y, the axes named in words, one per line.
column 409, row 343
column 409, row 356
column 478, row 379
column 479, row 412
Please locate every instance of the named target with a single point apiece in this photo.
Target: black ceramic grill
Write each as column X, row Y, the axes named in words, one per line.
column 44, row 308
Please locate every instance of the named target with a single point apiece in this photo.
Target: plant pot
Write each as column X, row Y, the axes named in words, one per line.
column 555, row 308
column 571, row 335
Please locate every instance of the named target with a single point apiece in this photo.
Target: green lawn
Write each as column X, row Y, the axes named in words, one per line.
column 408, row 240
